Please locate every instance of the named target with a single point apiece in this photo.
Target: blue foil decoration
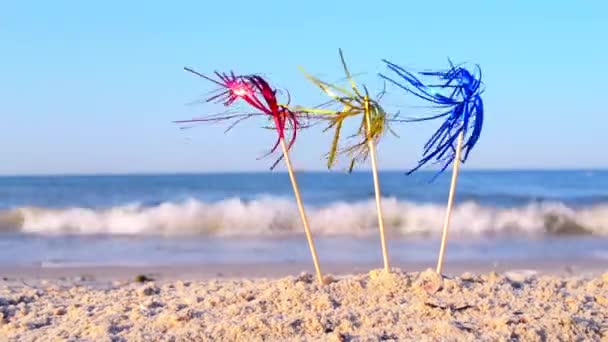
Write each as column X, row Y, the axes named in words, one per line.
column 457, row 92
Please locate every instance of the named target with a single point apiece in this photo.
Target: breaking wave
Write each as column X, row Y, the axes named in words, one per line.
column 279, row 216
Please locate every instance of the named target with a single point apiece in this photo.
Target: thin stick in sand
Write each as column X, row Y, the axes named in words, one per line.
column 374, row 124
column 452, row 194
column 372, row 151
column 458, row 92
column 257, row 92
column 296, row 191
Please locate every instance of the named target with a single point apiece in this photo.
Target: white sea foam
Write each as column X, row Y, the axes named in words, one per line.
column 276, row 216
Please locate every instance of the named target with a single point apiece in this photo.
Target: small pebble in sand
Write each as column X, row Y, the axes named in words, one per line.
column 149, row 290
column 59, row 311
column 142, row 278
column 429, row 281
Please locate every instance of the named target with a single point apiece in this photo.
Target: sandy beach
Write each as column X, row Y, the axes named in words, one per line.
column 110, row 304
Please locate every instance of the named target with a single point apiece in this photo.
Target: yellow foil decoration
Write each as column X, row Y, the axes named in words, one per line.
column 346, row 103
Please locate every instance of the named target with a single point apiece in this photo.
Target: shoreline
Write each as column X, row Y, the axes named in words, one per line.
column 202, row 271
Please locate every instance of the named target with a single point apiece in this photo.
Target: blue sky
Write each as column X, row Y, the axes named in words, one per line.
column 93, row 86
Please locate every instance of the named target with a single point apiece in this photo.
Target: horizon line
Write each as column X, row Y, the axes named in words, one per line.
column 177, row 173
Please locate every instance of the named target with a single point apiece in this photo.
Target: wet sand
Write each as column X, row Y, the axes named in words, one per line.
column 51, row 271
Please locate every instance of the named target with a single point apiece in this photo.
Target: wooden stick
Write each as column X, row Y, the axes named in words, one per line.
column 372, row 151
column 448, row 212
column 296, row 191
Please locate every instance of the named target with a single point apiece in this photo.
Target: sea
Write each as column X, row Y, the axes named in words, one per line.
column 252, row 217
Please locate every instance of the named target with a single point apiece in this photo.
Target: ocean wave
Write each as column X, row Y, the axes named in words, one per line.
column 279, row 216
